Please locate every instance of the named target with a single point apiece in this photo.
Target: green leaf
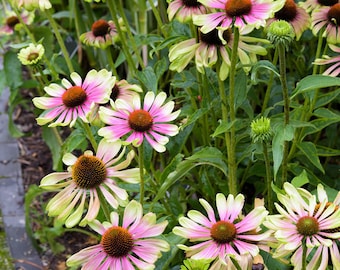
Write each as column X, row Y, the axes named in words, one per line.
column 240, row 88
column 324, row 151
column 263, row 64
column 206, row 156
column 282, row 134
column 325, row 99
column 313, row 82
column 225, row 126
column 148, row 78
column 195, row 116
column 50, row 139
column 308, row 149
column 3, row 83
column 12, row 68
column 160, row 67
column 300, row 180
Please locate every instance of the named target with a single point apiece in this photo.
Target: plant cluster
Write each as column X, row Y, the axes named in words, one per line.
column 188, row 134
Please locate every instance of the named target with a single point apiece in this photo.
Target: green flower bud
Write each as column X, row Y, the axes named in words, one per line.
column 260, row 129
column 281, row 32
column 191, row 264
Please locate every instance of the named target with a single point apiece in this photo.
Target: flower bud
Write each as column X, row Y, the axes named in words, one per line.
column 260, row 129
column 280, row 32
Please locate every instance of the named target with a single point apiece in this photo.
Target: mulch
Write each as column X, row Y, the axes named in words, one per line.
column 36, row 162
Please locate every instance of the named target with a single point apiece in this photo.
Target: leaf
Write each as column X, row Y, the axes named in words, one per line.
column 148, row 78
column 260, row 65
column 313, row 82
column 282, row 134
column 160, row 67
column 55, row 147
column 240, row 88
column 324, row 151
column 225, row 126
column 325, row 99
column 206, row 156
column 195, row 116
column 12, row 68
column 310, row 152
column 300, row 180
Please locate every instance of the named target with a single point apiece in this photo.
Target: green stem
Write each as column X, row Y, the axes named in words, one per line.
column 238, row 267
column 270, row 83
column 113, row 11
column 60, row 40
column 283, row 79
column 158, row 18
column 232, row 166
column 142, row 29
column 89, row 135
column 111, row 63
column 268, row 179
column 141, row 172
column 304, row 255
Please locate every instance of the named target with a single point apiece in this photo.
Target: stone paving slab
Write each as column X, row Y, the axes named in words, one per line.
column 12, row 197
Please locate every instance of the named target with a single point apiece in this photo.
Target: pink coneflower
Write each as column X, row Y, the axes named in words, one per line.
column 311, row 5
column 328, row 17
column 72, row 101
column 323, row 255
column 11, row 21
column 210, row 47
column 232, row 235
column 295, row 15
column 333, row 70
column 86, row 175
column 149, row 121
column 183, row 10
column 126, row 245
column 303, row 220
column 241, row 13
column 124, row 90
column 103, row 33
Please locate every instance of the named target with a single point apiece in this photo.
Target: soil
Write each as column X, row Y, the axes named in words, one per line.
column 36, row 162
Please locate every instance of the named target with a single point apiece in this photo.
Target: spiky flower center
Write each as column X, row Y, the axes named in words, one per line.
column 100, row 28
column 307, row 226
column 12, row 21
column 74, row 96
column 223, row 232
column 117, row 242
column 115, row 92
column 191, row 3
column 88, row 172
column 287, row 12
column 212, row 37
column 327, row 2
column 140, row 120
column 236, row 8
column 333, row 15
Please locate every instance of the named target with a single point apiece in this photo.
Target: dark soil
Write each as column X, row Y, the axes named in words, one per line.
column 36, row 162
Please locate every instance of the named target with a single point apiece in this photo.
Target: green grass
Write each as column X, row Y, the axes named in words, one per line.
column 5, row 258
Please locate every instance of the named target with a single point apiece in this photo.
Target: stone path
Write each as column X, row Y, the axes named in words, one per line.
column 12, row 197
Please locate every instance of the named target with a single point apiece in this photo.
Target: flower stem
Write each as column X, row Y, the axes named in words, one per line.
column 268, row 178
column 158, row 18
column 283, row 79
column 141, row 172
column 111, row 63
column 113, row 11
column 304, row 255
column 89, row 135
column 60, row 40
column 232, row 166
